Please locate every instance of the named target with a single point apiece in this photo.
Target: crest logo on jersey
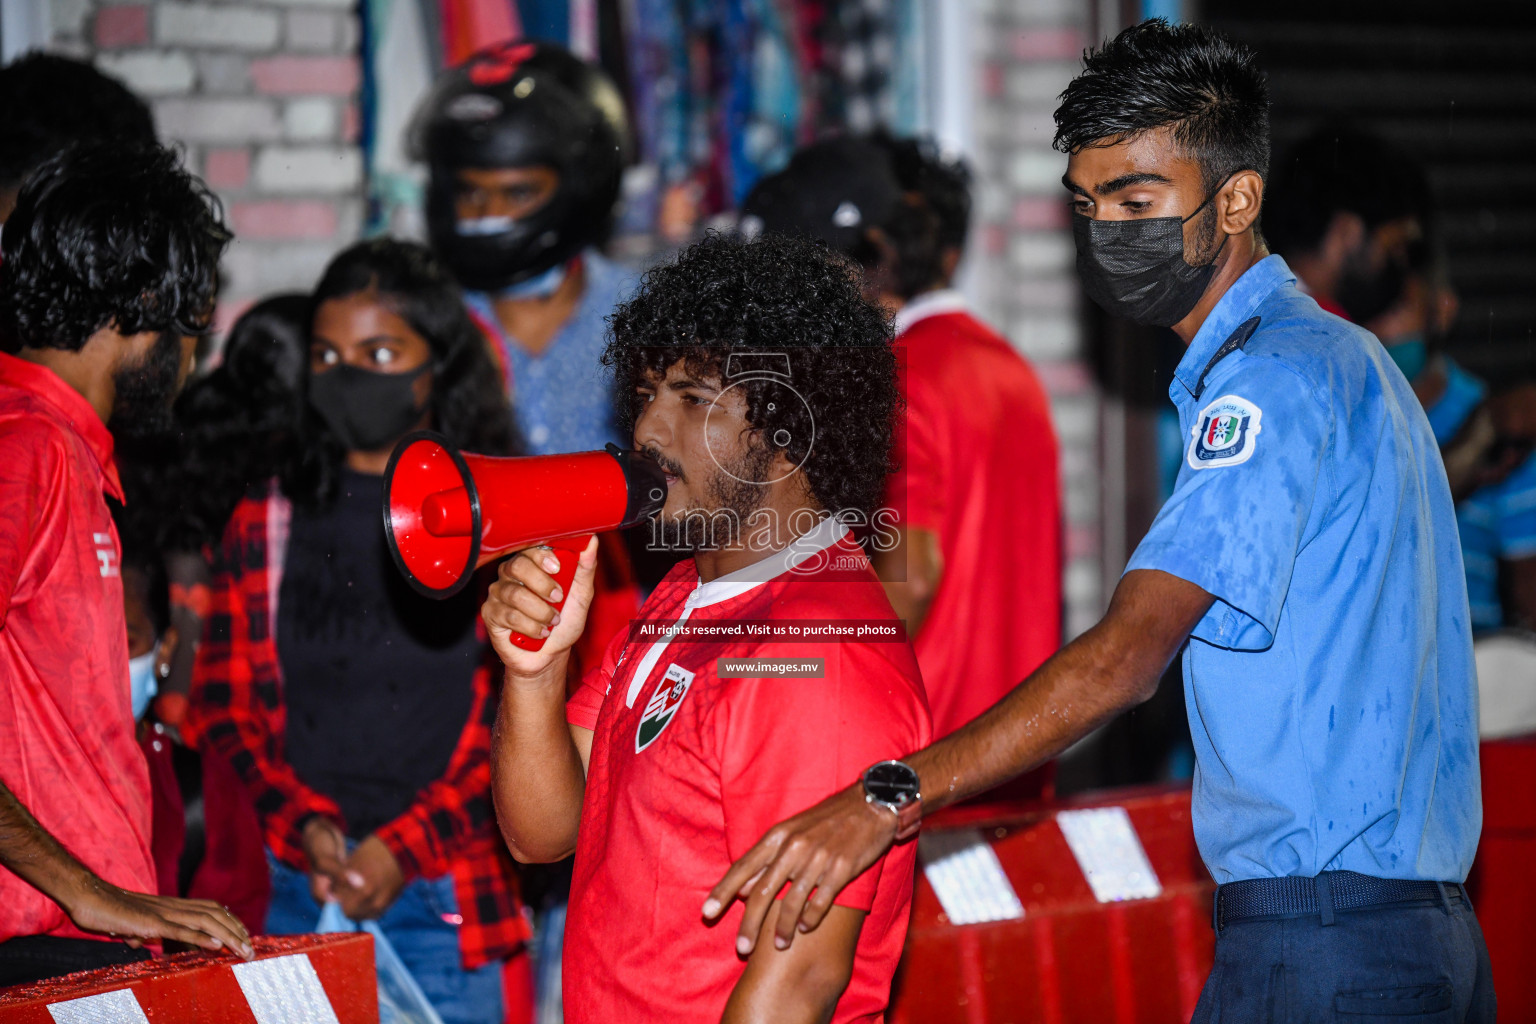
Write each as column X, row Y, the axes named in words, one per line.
column 663, row 705
column 1225, row 433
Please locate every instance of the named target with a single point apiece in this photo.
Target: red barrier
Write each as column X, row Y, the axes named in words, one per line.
column 1069, row 958
column 1502, row 888
column 317, row 979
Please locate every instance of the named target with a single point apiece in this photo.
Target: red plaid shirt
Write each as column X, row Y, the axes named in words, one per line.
column 237, row 708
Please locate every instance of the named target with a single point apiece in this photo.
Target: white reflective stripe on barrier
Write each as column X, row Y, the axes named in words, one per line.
column 118, row 1007
column 285, row 990
column 1109, row 853
column 967, row 877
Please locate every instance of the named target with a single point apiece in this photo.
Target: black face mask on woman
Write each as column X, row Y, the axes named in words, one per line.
column 1135, row 268
column 366, row 409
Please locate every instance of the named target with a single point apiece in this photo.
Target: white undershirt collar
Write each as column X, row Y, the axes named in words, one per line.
column 823, row 535
column 934, row 303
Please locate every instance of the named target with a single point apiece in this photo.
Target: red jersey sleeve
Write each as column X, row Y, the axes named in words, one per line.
column 786, row 744
column 32, row 474
column 582, row 708
column 917, row 488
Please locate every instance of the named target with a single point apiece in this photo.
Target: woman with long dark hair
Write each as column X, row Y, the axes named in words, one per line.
column 357, row 711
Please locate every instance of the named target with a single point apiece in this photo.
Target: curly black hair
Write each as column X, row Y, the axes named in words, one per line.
column 468, row 403
column 799, row 301
column 49, row 103
column 107, row 235
column 1208, row 89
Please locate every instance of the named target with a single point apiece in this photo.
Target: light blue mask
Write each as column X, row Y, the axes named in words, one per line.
column 539, row 286
column 1410, row 353
column 142, row 686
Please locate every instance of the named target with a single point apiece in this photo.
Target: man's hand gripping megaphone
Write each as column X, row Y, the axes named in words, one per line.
column 522, row 601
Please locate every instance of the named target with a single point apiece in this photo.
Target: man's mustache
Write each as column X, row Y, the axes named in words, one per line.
column 667, row 465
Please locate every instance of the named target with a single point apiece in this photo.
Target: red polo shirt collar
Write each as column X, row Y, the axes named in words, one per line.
column 72, row 407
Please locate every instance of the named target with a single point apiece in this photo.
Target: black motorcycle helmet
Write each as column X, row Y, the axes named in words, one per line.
column 521, row 105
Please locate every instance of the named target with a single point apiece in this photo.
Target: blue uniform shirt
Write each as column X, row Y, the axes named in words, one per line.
column 1331, row 692
column 561, row 398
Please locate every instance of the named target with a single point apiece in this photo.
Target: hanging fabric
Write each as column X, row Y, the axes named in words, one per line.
column 398, row 65
column 863, row 34
column 470, row 25
column 547, row 21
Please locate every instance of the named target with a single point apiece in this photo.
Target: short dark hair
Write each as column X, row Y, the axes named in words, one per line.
column 105, row 235
column 1340, row 168
column 49, row 103
column 776, row 294
column 1205, row 87
column 943, row 180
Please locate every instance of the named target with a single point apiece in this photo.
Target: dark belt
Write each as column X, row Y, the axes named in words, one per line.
column 1329, row 893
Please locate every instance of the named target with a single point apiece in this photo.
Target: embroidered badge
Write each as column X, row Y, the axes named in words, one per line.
column 1225, row 433
column 663, row 705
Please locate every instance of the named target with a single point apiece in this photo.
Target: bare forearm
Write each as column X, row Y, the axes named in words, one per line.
column 537, row 777
column 1114, row 666
column 36, row 857
column 797, row 985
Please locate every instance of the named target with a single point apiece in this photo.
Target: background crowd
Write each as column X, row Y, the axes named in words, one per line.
column 315, row 730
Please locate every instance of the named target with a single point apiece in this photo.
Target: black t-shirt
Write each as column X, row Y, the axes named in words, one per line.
column 378, row 679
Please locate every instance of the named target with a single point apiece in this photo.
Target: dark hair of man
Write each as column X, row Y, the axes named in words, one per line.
column 49, row 103
column 943, row 181
column 777, row 295
column 109, row 236
column 1340, row 169
column 468, row 404
column 235, row 429
column 1189, row 78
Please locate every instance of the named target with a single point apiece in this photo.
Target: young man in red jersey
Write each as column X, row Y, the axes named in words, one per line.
column 764, row 385
column 109, row 272
column 976, row 510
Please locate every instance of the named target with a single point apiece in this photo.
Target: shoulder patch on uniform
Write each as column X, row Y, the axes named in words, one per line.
column 1225, row 433
column 662, row 707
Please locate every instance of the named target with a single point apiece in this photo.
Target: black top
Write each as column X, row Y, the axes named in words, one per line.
column 378, row 679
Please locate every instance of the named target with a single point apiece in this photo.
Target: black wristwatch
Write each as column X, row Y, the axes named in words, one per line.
column 894, row 786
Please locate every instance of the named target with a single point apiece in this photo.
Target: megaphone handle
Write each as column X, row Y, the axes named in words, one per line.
column 568, row 550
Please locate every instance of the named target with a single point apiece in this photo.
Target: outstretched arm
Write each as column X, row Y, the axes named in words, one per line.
column 1112, row 667
column 95, row 905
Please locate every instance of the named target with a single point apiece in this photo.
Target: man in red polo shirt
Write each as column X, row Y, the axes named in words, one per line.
column 108, row 275
column 763, row 384
column 976, row 567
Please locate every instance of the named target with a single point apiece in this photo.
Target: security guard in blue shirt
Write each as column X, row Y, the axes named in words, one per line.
column 1308, row 557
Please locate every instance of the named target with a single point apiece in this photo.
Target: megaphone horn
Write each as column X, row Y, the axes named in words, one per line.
column 446, row 512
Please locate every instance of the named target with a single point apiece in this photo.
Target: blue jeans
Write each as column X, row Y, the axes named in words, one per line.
column 417, row 926
column 1394, row 965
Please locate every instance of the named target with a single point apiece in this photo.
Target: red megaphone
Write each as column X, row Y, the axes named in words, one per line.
column 446, row 513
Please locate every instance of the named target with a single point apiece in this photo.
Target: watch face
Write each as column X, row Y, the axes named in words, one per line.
column 891, row 782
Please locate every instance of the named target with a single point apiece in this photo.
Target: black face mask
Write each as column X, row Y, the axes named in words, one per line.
column 1364, row 293
column 367, row 410
column 1135, row 269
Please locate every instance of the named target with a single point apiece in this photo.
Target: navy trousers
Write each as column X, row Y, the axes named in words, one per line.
column 1407, row 964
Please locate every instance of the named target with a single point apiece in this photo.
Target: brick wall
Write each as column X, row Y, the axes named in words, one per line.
column 1022, row 257
column 262, row 95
